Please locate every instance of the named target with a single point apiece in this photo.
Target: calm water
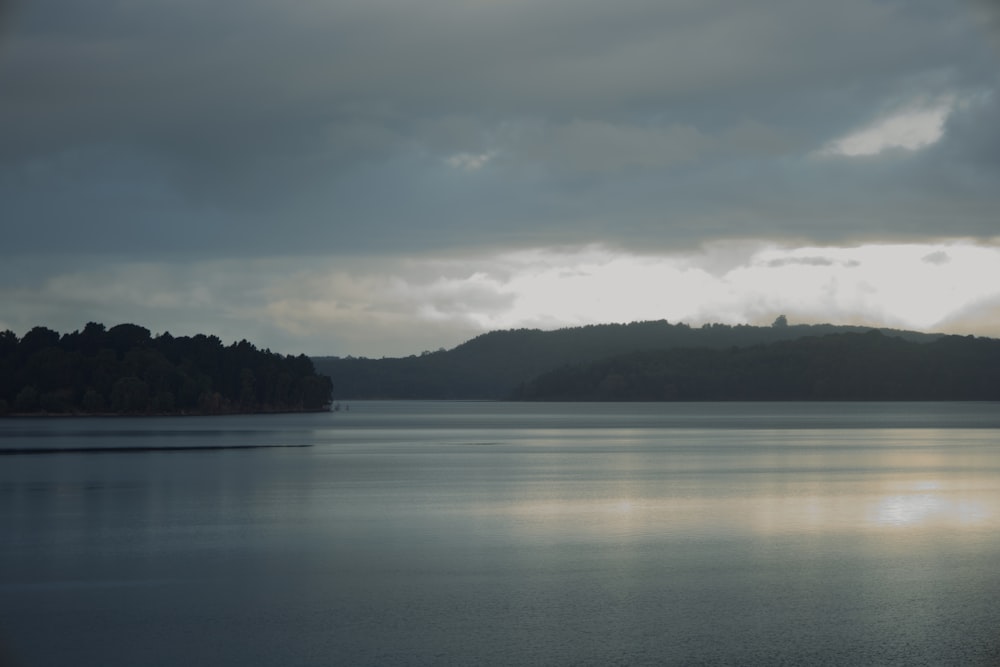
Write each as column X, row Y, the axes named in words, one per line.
column 507, row 534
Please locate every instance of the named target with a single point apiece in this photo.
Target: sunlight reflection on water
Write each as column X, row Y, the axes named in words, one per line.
column 928, row 502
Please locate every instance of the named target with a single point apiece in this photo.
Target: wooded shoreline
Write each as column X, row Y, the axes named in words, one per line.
column 127, row 371
column 660, row 361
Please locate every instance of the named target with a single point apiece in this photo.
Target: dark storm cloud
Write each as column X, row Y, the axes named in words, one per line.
column 265, row 127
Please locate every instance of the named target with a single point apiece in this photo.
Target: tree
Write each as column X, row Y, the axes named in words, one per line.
column 124, row 370
column 92, row 401
column 27, row 399
column 37, row 339
column 129, row 394
column 124, row 337
column 248, row 395
column 8, row 343
column 780, row 322
column 316, row 392
column 163, row 402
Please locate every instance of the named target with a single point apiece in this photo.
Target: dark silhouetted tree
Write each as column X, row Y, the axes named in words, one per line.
column 129, row 395
column 125, row 370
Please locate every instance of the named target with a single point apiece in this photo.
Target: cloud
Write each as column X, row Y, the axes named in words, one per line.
column 979, row 318
column 804, row 261
column 398, row 306
column 606, row 147
column 911, row 128
column 172, row 128
column 469, row 161
column 300, row 171
column 938, row 257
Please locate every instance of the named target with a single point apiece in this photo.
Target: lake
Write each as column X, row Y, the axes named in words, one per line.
column 478, row 533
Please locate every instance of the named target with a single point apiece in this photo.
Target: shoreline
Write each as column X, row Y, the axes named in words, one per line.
column 140, row 415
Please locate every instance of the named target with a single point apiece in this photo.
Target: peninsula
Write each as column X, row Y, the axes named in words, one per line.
column 125, row 370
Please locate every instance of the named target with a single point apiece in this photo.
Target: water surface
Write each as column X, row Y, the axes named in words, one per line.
column 509, row 534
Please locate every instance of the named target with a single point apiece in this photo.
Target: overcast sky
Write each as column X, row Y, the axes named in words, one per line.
column 381, row 177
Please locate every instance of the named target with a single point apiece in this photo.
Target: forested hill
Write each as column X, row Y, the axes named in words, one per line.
column 869, row 366
column 494, row 365
column 124, row 370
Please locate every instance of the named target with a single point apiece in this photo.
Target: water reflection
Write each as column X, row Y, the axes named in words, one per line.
column 766, row 483
column 512, row 540
column 928, row 502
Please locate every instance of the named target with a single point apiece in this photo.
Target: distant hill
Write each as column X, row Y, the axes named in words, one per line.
column 849, row 366
column 125, row 370
column 494, row 365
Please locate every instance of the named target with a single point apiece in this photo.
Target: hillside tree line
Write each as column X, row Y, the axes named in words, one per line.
column 847, row 366
column 495, row 364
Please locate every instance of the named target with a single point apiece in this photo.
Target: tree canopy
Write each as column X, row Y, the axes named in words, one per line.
column 495, row 364
column 126, row 370
column 850, row 366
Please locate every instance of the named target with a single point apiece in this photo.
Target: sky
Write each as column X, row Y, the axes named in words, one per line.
column 384, row 177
